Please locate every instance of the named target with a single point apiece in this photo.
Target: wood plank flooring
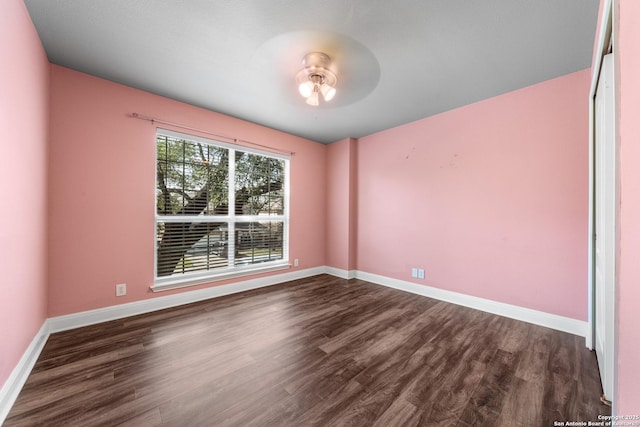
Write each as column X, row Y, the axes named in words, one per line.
column 320, row 351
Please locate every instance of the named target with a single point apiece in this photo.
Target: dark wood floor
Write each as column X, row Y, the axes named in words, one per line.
column 319, row 351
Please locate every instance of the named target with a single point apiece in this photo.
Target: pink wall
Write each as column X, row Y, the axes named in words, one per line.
column 490, row 199
column 341, row 205
column 353, row 204
column 102, row 188
column 24, row 119
column 627, row 398
column 495, row 192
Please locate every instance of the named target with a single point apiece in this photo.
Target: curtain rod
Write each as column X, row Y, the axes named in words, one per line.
column 235, row 140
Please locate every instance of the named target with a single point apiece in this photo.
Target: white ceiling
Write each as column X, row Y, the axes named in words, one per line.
column 398, row 61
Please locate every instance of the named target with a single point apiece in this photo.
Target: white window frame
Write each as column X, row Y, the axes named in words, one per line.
column 231, row 271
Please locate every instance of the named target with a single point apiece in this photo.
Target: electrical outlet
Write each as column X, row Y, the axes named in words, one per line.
column 420, row 273
column 296, row 262
column 121, row 289
column 414, row 272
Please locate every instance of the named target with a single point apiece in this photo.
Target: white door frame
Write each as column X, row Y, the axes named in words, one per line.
column 606, row 202
column 604, row 40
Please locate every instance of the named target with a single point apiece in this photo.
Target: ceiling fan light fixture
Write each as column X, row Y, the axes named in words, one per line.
column 316, row 78
column 328, row 92
column 306, row 88
column 313, row 99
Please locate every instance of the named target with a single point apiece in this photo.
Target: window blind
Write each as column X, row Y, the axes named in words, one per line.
column 219, row 208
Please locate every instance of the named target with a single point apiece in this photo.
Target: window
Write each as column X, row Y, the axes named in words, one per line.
column 221, row 210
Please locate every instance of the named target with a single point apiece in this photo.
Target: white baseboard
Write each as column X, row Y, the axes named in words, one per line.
column 553, row 321
column 85, row 318
column 18, row 377
column 15, row 382
column 92, row 317
column 338, row 272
